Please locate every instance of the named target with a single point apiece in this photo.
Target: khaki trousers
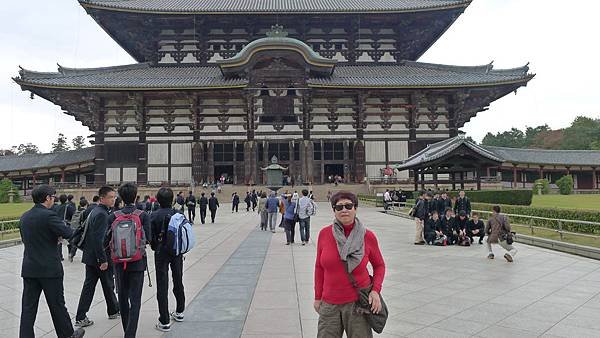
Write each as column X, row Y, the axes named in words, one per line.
column 508, row 247
column 419, row 231
column 335, row 319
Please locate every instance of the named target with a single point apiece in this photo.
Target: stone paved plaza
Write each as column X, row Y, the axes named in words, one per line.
column 243, row 282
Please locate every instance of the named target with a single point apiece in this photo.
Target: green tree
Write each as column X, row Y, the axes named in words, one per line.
column 565, row 185
column 582, row 133
column 6, row 152
column 24, row 149
column 79, row 143
column 531, row 134
column 61, row 144
column 513, row 138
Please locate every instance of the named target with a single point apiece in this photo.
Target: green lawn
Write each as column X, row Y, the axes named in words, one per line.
column 590, row 202
column 14, row 210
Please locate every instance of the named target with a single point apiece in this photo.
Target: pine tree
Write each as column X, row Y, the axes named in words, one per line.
column 79, row 143
column 61, row 144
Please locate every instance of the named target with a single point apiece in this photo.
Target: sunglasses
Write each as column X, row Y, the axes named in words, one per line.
column 339, row 207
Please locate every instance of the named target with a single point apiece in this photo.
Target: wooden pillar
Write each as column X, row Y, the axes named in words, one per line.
column 453, row 179
column 462, row 180
column 142, row 157
column 435, row 177
column 34, row 178
column 514, row 186
column 524, row 177
column 416, row 179
column 541, row 172
column 359, row 161
column 423, row 181
column 250, row 160
column 487, row 172
column 478, row 177
column 62, row 175
column 594, row 178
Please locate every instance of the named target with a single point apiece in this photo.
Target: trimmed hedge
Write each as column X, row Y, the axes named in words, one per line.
column 510, row 197
column 11, row 223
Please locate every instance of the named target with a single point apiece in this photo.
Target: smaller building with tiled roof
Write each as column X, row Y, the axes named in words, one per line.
column 514, row 167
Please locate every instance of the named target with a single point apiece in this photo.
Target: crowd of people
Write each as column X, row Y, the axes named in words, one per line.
column 94, row 228
column 441, row 221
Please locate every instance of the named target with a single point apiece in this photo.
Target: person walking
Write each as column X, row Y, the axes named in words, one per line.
column 387, row 199
column 66, row 210
column 262, row 211
column 272, row 206
column 130, row 275
column 235, row 202
column 190, row 202
column 255, row 197
column 163, row 260
column 41, row 269
column 97, row 263
column 203, row 202
column 343, row 248
column 180, row 201
column 213, row 205
column 499, row 232
column 289, row 221
column 248, row 201
column 306, row 209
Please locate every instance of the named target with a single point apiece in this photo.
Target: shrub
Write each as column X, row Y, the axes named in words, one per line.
column 10, row 223
column 512, row 197
column 545, row 186
column 5, row 187
column 565, row 185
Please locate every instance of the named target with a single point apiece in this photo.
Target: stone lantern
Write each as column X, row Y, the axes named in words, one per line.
column 274, row 174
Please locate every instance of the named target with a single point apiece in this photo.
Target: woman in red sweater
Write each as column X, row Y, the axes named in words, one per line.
column 346, row 241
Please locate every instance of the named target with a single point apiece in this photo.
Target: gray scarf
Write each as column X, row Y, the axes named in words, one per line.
column 351, row 249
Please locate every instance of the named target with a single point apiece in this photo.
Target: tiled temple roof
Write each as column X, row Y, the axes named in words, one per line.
column 274, row 6
column 41, row 161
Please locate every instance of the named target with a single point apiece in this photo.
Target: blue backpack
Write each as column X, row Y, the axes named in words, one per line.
column 180, row 237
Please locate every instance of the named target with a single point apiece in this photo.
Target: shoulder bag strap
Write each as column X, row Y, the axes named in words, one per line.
column 350, row 276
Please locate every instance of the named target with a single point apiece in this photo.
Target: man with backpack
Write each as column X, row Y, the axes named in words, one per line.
column 129, row 225
column 213, row 205
column 272, row 206
column 203, row 202
column 163, row 258
column 180, row 201
column 96, row 260
column 76, row 223
column 190, row 202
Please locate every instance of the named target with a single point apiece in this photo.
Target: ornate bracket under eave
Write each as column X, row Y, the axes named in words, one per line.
column 276, row 40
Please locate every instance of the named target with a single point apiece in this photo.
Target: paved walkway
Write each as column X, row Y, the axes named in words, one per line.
column 243, row 282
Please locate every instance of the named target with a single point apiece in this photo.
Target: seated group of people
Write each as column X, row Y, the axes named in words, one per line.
column 451, row 229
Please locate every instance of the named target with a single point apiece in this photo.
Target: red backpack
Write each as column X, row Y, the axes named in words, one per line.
column 128, row 243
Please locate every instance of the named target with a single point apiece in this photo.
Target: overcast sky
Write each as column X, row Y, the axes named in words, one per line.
column 558, row 38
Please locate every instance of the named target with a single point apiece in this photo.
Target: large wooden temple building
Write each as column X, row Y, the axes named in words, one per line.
column 329, row 87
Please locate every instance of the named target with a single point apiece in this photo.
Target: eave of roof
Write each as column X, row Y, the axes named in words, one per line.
column 216, row 7
column 46, row 161
column 144, row 77
column 547, row 156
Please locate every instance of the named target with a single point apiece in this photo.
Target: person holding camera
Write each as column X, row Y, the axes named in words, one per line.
column 499, row 232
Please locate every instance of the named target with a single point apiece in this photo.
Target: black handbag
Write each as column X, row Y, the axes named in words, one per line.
column 376, row 320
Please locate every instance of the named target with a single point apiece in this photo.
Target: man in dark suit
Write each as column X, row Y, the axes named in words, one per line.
column 213, row 204
column 96, row 260
column 41, row 228
column 203, row 204
column 190, row 202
